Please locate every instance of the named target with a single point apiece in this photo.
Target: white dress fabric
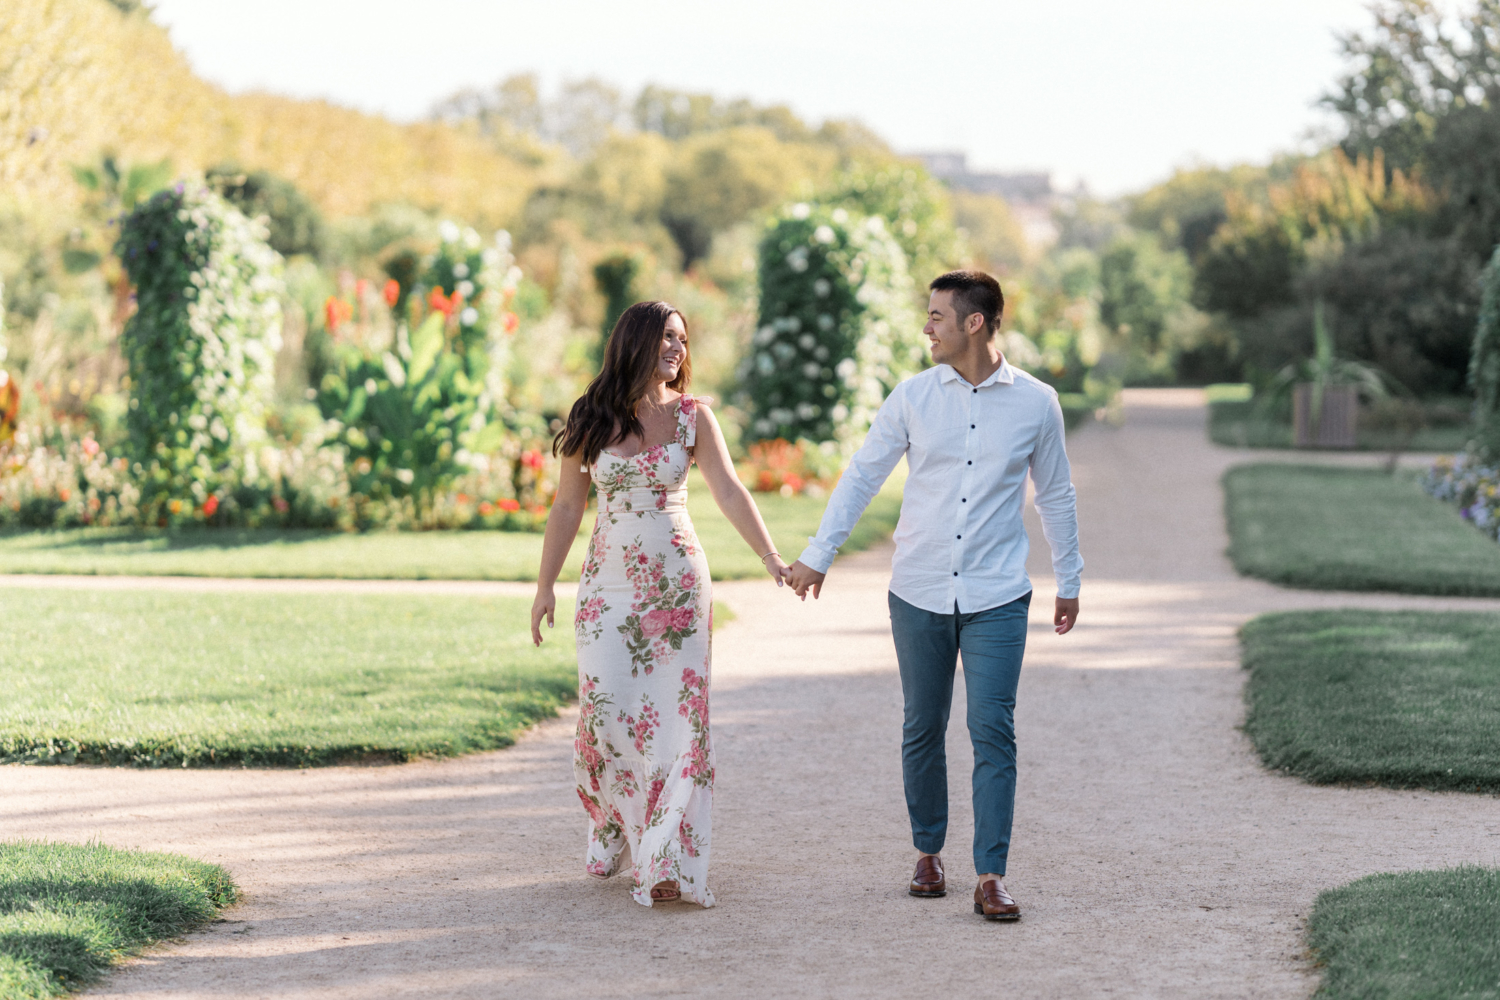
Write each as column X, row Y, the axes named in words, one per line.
column 642, row 754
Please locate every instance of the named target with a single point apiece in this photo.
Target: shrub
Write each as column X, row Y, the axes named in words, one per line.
column 200, row 348
column 837, row 328
column 1472, row 486
column 1484, row 368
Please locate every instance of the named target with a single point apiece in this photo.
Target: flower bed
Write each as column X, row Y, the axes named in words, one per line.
column 1470, row 486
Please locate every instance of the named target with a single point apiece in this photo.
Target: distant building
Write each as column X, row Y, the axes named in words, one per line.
column 1030, row 195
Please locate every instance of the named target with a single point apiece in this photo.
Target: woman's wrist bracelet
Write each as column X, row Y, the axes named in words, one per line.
column 768, row 555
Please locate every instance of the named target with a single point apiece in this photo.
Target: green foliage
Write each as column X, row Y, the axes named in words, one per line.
column 1405, row 699
column 295, row 224
column 68, row 911
column 200, row 348
column 837, row 330
column 120, row 185
column 986, row 227
column 1416, row 67
column 1409, row 936
column 1352, row 529
column 1144, row 292
column 173, row 679
column 407, row 417
column 1484, row 369
column 914, row 206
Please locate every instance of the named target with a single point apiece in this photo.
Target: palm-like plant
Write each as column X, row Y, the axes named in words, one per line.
column 1326, row 370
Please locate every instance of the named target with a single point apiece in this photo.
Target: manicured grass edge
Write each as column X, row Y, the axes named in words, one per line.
column 70, row 911
column 1409, row 935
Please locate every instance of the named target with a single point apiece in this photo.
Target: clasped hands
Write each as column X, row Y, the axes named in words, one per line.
column 803, row 578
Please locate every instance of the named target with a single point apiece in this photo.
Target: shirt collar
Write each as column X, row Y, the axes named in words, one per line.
column 1005, row 373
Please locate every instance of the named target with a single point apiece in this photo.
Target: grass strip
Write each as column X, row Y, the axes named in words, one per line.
column 1425, row 935
column 1405, row 699
column 170, row 679
column 437, row 555
column 67, row 911
column 1352, row 529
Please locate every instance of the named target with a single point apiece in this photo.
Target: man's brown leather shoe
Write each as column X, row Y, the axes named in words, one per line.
column 992, row 902
column 929, row 879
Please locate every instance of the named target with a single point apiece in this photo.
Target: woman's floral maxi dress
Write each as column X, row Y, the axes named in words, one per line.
column 642, row 754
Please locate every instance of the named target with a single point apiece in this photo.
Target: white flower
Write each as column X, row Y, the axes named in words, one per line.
column 460, row 270
column 472, row 240
column 405, row 475
column 822, row 287
column 840, row 216
column 810, row 370
column 824, row 234
column 370, row 387
column 469, row 316
column 465, row 288
column 801, row 210
column 448, row 230
column 393, row 369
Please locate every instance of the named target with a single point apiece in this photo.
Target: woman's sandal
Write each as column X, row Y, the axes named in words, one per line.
column 665, row 892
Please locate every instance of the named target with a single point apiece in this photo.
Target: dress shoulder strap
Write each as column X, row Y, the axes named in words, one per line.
column 687, row 421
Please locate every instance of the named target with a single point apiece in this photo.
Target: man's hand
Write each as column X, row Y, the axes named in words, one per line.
column 1066, row 615
column 804, row 578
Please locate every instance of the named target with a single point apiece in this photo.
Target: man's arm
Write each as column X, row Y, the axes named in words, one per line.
column 1056, row 503
column 867, row 472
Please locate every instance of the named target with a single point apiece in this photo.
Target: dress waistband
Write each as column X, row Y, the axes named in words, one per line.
column 643, row 501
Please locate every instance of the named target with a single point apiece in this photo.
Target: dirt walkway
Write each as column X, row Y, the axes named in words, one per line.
column 1153, row 856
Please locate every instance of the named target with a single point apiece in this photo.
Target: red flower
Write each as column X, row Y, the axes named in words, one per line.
column 360, row 287
column 439, row 302
column 392, row 292
column 463, row 498
column 510, row 321
column 210, row 506
column 281, row 505
column 510, row 505
column 90, row 447
column 533, row 459
column 486, row 508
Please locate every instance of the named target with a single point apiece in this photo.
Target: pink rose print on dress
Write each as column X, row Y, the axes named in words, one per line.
column 656, row 623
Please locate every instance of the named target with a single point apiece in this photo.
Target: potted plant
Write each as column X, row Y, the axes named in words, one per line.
column 1326, row 390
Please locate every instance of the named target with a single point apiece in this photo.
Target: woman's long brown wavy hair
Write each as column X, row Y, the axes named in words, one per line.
column 631, row 358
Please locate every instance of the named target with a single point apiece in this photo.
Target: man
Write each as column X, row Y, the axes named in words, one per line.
column 970, row 427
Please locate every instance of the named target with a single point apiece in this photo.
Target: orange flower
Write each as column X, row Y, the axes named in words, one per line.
column 486, row 508
column 175, row 506
column 510, row 505
column 336, row 312
column 443, row 303
column 392, row 292
column 360, row 287
column 463, row 498
column 63, row 495
column 510, row 322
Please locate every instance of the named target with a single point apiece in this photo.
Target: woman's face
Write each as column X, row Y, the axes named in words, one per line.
column 673, row 349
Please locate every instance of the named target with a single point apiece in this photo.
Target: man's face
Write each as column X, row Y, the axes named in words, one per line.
column 944, row 330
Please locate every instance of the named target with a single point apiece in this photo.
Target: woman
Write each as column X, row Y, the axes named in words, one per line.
column 642, row 754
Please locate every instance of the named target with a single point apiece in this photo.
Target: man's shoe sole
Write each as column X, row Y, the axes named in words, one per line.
column 979, row 909
column 940, row 892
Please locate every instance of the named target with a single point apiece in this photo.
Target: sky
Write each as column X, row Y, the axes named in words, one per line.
column 1115, row 95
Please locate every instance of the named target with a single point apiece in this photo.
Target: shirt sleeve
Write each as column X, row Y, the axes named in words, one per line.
column 867, row 472
column 1056, row 502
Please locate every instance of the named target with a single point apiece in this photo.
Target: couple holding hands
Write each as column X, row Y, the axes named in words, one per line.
column 971, row 428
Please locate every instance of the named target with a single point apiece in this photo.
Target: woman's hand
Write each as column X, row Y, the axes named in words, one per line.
column 778, row 568
column 544, row 606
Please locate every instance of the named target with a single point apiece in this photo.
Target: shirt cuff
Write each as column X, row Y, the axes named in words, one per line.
column 815, row 557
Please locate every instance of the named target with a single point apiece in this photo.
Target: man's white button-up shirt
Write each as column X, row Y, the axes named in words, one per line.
column 961, row 541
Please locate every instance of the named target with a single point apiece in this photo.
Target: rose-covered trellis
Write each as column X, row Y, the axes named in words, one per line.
column 837, row 327
column 200, row 348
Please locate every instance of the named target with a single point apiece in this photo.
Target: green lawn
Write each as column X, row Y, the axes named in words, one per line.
column 1241, row 424
column 67, row 911
column 170, row 679
column 1405, row 699
column 459, row 555
column 1353, row 529
column 1428, row 935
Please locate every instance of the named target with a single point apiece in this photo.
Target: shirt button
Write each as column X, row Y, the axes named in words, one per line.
column 971, row 463
column 975, row 390
column 964, row 500
column 971, row 427
column 960, row 537
column 955, row 573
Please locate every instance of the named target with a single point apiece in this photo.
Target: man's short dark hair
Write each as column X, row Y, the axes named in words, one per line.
column 973, row 292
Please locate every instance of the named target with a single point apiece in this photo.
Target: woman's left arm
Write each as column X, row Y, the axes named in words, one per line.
column 712, row 456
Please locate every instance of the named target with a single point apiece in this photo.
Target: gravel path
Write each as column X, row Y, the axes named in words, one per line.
column 1153, row 856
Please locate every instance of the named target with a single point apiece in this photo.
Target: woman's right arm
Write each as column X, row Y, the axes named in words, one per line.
column 562, row 527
